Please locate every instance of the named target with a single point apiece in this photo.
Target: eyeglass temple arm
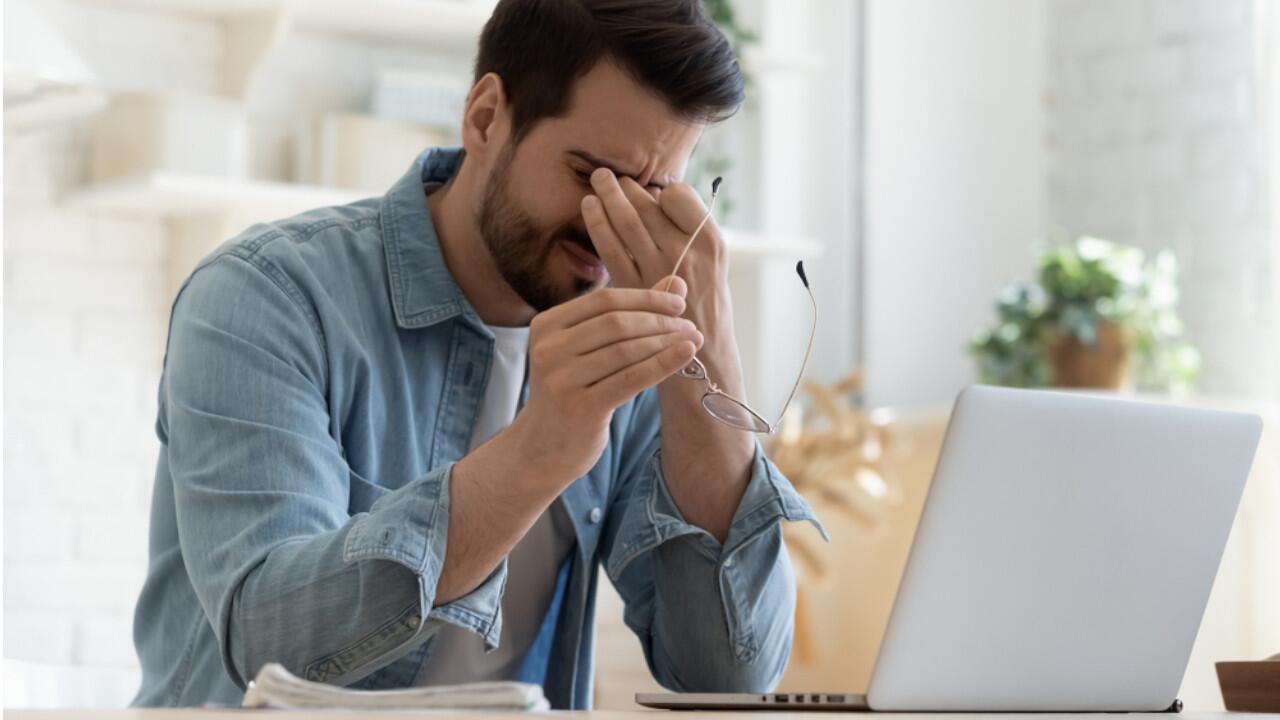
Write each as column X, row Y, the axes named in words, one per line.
column 715, row 190
column 813, row 330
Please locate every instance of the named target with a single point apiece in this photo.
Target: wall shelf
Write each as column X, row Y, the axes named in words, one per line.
column 254, row 27
column 454, row 22
column 174, row 195
column 744, row 243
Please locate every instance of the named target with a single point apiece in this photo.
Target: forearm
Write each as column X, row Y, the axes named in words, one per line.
column 284, row 610
column 496, row 494
column 587, row 356
column 332, row 606
column 706, row 463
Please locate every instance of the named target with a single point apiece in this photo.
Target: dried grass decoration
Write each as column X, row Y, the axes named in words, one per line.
column 831, row 451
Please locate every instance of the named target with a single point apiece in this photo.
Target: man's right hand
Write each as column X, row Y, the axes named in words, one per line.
column 587, row 357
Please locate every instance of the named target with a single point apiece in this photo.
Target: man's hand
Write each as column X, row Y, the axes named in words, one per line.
column 640, row 236
column 587, row 357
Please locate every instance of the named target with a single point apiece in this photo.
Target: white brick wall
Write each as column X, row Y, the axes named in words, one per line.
column 85, row 314
column 1155, row 140
column 86, row 303
column 83, row 339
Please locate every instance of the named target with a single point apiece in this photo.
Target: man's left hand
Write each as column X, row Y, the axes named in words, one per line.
column 640, row 235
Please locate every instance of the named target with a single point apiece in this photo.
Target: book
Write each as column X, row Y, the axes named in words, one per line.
column 276, row 687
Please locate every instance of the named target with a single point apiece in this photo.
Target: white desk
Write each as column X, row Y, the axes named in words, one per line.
column 232, row 714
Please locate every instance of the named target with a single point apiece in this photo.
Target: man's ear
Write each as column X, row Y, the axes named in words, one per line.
column 486, row 122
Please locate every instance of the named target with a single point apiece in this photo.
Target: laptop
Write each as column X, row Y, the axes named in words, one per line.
column 1062, row 561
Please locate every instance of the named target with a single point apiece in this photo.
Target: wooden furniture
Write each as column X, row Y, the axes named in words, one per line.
column 1251, row 686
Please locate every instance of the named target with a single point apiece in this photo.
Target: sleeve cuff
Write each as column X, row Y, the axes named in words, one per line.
column 768, row 498
column 410, row 526
column 479, row 611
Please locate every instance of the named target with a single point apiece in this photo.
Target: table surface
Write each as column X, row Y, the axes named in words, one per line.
column 236, row 714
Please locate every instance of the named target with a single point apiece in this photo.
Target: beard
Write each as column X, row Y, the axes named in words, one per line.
column 520, row 249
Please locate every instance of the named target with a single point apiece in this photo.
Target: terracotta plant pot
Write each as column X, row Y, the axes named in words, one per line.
column 1076, row 365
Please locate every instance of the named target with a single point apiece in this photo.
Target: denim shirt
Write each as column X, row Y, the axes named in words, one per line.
column 321, row 378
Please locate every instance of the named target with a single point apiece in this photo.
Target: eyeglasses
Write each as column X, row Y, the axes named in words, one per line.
column 721, row 405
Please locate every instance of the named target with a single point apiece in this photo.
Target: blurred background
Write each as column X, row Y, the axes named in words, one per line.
column 1025, row 192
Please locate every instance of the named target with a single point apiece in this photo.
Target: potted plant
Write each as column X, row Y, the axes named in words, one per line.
column 1100, row 315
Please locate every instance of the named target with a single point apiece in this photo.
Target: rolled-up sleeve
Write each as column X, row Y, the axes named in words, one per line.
column 711, row 617
column 284, row 572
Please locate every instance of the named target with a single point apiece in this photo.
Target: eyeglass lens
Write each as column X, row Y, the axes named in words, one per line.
column 733, row 412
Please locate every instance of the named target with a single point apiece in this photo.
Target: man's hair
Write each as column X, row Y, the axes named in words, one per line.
column 541, row 47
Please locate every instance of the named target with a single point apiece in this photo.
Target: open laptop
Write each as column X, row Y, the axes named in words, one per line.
column 1062, row 561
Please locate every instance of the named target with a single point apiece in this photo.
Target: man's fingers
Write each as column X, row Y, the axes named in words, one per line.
column 676, row 284
column 612, row 327
column 599, row 302
column 607, row 360
column 616, row 257
column 646, row 203
column 681, row 203
column 625, row 219
column 633, row 379
column 656, row 221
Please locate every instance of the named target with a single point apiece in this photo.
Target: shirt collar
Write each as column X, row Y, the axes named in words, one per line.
column 422, row 290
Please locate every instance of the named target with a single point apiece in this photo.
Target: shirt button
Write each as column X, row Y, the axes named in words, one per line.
column 595, row 515
column 728, row 563
column 413, row 621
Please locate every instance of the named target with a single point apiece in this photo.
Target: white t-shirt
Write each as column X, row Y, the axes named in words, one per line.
column 458, row 655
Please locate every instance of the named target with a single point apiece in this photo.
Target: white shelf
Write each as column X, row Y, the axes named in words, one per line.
column 456, row 23
column 174, row 194
column 743, row 243
column 215, row 9
column 178, row 195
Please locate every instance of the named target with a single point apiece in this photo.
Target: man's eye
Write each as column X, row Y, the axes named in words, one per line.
column 584, row 176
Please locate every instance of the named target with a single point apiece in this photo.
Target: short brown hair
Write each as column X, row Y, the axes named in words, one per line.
column 541, row 47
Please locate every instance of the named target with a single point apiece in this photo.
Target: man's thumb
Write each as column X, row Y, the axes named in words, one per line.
column 673, row 284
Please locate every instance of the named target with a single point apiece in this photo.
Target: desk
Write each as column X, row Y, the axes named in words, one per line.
column 595, row 715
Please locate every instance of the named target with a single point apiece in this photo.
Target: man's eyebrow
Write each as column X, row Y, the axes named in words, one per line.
column 601, row 162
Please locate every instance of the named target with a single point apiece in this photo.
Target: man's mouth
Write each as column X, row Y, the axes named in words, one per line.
column 584, row 245
column 586, row 262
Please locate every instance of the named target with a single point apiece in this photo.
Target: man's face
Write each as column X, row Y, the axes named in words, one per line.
column 530, row 216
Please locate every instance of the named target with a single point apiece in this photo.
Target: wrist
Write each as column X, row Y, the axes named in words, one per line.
column 719, row 355
column 506, row 457
column 713, row 316
column 534, row 458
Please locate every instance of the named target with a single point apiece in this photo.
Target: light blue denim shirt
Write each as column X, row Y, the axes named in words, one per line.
column 321, row 378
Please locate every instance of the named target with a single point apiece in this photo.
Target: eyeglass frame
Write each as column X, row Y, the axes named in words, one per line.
column 695, row 370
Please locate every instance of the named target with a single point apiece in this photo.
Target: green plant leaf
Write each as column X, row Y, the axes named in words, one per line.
column 1080, row 285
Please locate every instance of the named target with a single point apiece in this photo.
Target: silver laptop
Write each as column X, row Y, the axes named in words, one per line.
column 1062, row 561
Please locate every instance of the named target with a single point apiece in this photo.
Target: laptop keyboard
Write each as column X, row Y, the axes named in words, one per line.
column 811, row 698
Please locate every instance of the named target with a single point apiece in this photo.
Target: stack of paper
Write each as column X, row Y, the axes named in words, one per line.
column 275, row 687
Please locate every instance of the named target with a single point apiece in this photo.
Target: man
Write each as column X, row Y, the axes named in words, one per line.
column 399, row 436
